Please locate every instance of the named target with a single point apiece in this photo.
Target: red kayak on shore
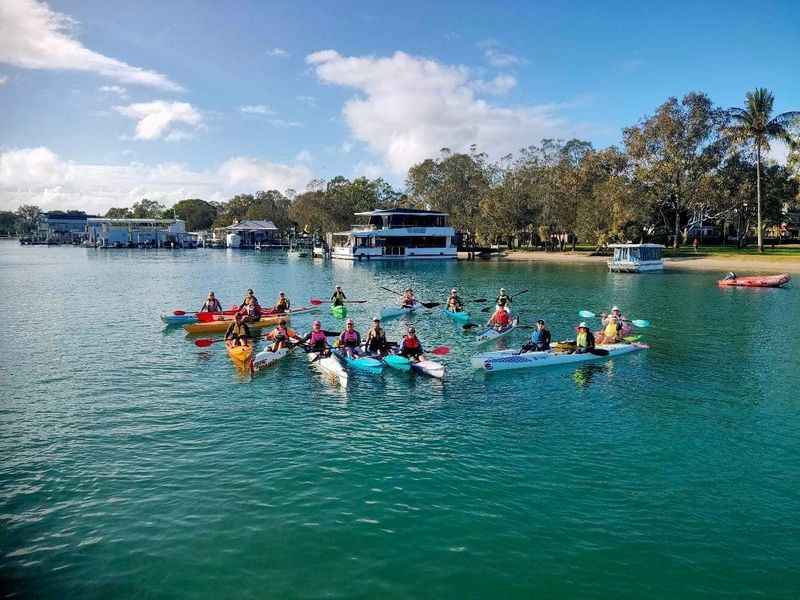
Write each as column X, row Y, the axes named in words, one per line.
column 756, row 281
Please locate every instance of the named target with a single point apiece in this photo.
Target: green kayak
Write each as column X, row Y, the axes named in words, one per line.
column 340, row 311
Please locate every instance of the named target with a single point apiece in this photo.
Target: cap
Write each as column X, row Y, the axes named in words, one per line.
column 540, row 322
column 349, row 321
column 613, row 308
column 338, row 287
column 454, row 291
column 282, row 294
column 378, row 319
column 412, row 330
column 583, row 325
column 315, row 323
column 502, row 290
column 250, row 291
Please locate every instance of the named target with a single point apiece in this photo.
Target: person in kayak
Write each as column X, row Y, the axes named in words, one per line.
column 500, row 319
column 503, row 296
column 238, row 332
column 411, row 347
column 408, row 300
column 338, row 297
column 281, row 336
column 454, row 303
column 249, row 295
column 316, row 340
column 584, row 341
column 251, row 311
column 730, row 276
column 211, row 304
column 376, row 338
column 350, row 340
column 540, row 339
column 613, row 327
column 283, row 304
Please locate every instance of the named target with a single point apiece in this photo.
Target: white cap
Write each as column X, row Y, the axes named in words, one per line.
column 583, row 324
column 613, row 308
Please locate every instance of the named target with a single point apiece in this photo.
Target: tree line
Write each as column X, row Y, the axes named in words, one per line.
column 688, row 164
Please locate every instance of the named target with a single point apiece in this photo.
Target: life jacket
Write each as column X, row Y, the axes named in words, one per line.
column 612, row 328
column 501, row 317
column 213, row 306
column 282, row 305
column 317, row 339
column 376, row 334
column 454, row 303
column 349, row 338
column 411, row 342
column 279, row 334
column 338, row 298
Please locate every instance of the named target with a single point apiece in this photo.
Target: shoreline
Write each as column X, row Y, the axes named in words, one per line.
column 722, row 264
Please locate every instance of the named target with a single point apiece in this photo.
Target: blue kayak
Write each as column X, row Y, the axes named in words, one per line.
column 364, row 363
column 178, row 319
column 459, row 317
column 395, row 361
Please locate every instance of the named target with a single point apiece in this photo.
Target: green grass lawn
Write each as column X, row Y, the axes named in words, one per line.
column 778, row 253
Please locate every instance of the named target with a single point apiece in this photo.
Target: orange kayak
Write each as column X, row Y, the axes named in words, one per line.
column 757, row 281
column 239, row 354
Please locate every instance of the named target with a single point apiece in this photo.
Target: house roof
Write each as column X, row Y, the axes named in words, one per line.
column 399, row 211
column 252, row 226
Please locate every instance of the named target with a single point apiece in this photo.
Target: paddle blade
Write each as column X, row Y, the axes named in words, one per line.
column 315, row 301
column 206, row 317
column 178, row 313
column 469, row 326
column 598, row 352
column 204, row 343
column 331, row 333
column 440, row 350
column 479, row 300
column 431, row 304
column 586, row 314
column 486, row 309
column 641, row 323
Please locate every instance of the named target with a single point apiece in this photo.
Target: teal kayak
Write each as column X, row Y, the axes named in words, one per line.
column 459, row 317
column 364, row 363
column 339, row 311
column 395, row 361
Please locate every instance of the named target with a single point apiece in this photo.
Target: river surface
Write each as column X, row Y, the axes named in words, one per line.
column 134, row 464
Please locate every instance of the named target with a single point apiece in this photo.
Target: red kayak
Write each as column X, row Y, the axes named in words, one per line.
column 756, row 281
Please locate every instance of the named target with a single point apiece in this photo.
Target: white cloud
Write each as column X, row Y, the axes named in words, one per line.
column 158, row 119
column 114, row 89
column 282, row 123
column 496, row 57
column 370, row 170
column 409, row 107
column 778, row 152
column 304, row 156
column 256, row 109
column 346, row 147
column 32, row 36
column 500, row 85
column 279, row 52
column 3, row 79
column 38, row 176
column 309, row 101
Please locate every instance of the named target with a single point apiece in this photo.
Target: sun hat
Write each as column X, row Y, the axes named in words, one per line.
column 378, row 319
column 583, row 325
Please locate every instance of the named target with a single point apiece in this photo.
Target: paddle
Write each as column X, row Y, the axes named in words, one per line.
column 181, row 313
column 489, row 308
column 425, row 304
column 440, row 350
column 587, row 314
column 317, row 301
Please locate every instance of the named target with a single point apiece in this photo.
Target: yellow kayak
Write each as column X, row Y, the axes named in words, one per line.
column 222, row 326
column 239, row 354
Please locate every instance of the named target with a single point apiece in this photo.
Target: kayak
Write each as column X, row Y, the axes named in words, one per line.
column 239, row 354
column 430, row 368
column 506, row 360
column 757, row 281
column 491, row 334
column 339, row 311
column 390, row 312
column 395, row 361
column 330, row 366
column 363, row 363
column 266, row 357
column 220, row 325
column 458, row 317
column 178, row 319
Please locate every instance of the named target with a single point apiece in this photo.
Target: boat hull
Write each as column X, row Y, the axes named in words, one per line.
column 756, row 281
column 508, row 360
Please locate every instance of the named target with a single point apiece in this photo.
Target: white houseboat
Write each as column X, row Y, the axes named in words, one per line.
column 636, row 258
column 396, row 234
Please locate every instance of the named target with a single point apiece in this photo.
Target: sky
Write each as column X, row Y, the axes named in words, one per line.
column 103, row 103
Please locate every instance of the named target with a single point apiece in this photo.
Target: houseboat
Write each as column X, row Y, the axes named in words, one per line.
column 396, row 234
column 636, row 258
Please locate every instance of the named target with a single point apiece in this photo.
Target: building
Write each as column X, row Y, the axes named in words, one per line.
column 396, row 234
column 58, row 227
column 249, row 234
column 636, row 258
column 137, row 233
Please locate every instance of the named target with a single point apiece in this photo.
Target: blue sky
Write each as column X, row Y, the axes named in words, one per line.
column 104, row 103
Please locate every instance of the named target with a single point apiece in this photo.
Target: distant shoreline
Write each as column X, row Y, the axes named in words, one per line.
column 721, row 264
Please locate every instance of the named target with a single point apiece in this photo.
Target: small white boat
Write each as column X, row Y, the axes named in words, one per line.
column 330, row 366
column 491, row 334
column 507, row 360
column 636, row 258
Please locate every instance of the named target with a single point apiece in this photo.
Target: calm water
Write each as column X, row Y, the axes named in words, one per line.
column 134, row 464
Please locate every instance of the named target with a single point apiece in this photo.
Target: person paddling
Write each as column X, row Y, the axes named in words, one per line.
column 408, row 300
column 281, row 336
column 250, row 311
column 316, row 340
column 500, row 319
column 350, row 339
column 504, row 298
column 584, row 341
column 411, row 347
column 211, row 304
column 338, row 297
column 376, row 338
column 613, row 327
column 238, row 332
column 454, row 302
column 249, row 295
column 540, row 339
column 283, row 304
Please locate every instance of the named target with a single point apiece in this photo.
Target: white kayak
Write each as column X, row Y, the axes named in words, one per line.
column 390, row 312
column 506, row 360
column 266, row 357
column 491, row 334
column 329, row 365
column 429, row 367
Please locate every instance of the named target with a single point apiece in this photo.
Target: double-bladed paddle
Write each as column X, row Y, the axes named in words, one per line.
column 425, row 304
column 587, row 314
column 489, row 308
column 317, row 301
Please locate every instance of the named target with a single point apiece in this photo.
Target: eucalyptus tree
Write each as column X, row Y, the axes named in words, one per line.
column 756, row 126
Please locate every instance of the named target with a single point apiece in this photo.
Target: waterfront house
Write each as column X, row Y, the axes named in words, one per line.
column 59, row 227
column 396, row 234
column 137, row 233
column 248, row 234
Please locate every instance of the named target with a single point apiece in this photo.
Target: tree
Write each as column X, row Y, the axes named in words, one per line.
column 197, row 213
column 754, row 125
column 28, row 218
column 118, row 213
column 147, row 209
column 8, row 222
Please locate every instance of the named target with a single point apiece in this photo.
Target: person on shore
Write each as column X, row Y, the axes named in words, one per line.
column 251, row 311
column 281, row 336
column 338, row 297
column 376, row 338
column 411, row 347
column 283, row 304
column 316, row 340
column 454, row 303
column 584, row 341
column 350, row 340
column 211, row 304
column 408, row 300
column 503, row 295
column 238, row 332
column 540, row 339
column 500, row 319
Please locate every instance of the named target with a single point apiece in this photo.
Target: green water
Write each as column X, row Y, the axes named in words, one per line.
column 134, row 464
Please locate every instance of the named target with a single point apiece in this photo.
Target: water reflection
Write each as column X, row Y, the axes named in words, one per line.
column 584, row 376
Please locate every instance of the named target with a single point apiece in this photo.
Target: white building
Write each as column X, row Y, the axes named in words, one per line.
column 396, row 234
column 136, row 233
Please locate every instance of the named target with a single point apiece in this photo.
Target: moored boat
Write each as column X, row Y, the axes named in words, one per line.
column 756, row 280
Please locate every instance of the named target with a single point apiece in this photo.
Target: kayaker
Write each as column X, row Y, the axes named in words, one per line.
column 338, row 297
column 350, row 339
column 500, row 319
column 281, row 336
column 211, row 304
column 454, row 303
column 408, row 299
column 250, row 294
column 238, row 332
column 283, row 304
column 730, row 276
column 411, row 347
column 376, row 338
column 613, row 327
column 251, row 311
column 540, row 339
column 584, row 341
column 503, row 295
column 316, row 340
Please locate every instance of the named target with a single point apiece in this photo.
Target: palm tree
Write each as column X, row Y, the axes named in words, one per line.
column 755, row 125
